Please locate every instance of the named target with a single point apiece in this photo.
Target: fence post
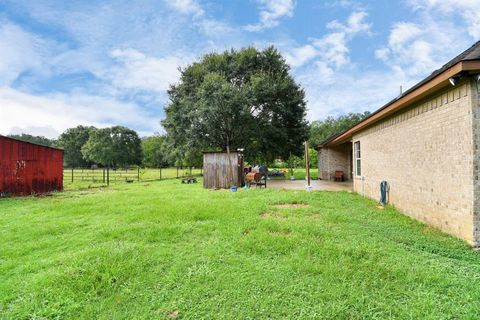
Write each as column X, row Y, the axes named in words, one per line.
column 177, row 172
column 160, row 173
column 108, row 176
column 72, row 175
column 103, row 175
column 138, row 174
column 190, row 171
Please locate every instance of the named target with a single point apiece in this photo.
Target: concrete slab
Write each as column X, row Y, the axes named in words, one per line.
column 317, row 185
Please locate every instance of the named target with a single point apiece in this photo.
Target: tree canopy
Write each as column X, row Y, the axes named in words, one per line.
column 321, row 130
column 237, row 99
column 34, row 139
column 154, row 153
column 115, row 146
column 72, row 140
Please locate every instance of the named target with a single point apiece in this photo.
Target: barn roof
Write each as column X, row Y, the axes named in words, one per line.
column 35, row 144
column 468, row 60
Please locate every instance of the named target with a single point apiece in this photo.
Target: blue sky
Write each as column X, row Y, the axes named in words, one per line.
column 64, row 63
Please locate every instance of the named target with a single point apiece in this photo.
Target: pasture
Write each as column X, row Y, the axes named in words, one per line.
column 165, row 250
column 74, row 179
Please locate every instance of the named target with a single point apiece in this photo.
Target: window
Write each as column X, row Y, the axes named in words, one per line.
column 358, row 161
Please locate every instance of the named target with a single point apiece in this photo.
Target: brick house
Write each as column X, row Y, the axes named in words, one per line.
column 426, row 145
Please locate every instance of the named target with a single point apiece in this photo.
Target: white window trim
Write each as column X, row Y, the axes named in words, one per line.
column 357, row 155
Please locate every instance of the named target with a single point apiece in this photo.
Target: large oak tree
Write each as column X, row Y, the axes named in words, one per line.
column 72, row 140
column 237, row 99
column 115, row 146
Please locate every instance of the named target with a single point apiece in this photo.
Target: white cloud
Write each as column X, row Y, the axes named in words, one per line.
column 402, row 33
column 212, row 27
column 270, row 12
column 186, row 6
column 433, row 37
column 18, row 53
column 333, row 93
column 301, row 55
column 207, row 24
column 467, row 10
column 51, row 114
column 436, row 32
column 382, row 54
column 332, row 49
column 135, row 70
column 355, row 23
column 409, row 48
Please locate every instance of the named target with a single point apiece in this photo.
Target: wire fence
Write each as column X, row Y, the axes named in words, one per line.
column 126, row 175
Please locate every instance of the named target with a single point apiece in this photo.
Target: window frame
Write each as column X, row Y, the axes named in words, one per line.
column 357, row 155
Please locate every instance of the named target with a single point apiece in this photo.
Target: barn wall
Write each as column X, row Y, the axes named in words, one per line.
column 27, row 168
column 216, row 172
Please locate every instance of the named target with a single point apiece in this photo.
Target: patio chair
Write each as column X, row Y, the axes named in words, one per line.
column 339, row 176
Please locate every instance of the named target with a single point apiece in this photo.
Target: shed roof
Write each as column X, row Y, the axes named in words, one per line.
column 28, row 142
column 468, row 60
column 220, row 151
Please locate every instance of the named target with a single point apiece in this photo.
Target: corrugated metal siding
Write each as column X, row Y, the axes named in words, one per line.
column 27, row 168
column 216, row 172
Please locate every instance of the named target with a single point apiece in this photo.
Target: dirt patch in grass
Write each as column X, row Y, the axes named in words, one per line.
column 291, row 206
column 271, row 214
column 173, row 314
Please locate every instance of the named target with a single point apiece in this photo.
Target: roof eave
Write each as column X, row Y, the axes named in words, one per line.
column 438, row 82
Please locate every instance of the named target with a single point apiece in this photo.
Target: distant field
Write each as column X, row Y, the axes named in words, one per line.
column 166, row 250
column 89, row 178
column 85, row 178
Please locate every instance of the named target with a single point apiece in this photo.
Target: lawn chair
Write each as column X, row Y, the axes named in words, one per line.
column 339, row 176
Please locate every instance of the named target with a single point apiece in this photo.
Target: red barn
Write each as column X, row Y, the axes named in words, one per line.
column 27, row 168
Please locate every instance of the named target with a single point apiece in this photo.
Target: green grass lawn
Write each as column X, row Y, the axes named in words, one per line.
column 167, row 250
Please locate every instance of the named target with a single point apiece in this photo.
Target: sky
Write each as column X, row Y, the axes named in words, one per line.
column 103, row 63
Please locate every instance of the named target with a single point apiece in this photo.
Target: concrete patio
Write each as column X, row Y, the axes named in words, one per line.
column 317, row 185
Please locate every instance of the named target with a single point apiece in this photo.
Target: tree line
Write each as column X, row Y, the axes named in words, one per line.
column 115, row 146
column 85, row 146
column 234, row 100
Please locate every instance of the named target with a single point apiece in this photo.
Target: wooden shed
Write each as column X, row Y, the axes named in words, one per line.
column 27, row 168
column 220, row 172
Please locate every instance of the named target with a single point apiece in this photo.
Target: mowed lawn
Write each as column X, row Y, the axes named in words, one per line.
column 166, row 250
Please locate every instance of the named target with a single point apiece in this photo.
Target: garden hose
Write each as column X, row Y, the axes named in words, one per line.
column 384, row 189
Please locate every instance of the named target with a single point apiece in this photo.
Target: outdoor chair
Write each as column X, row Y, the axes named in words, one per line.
column 339, row 176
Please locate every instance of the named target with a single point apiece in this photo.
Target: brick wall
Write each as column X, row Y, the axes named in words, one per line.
column 427, row 155
column 475, row 89
column 335, row 159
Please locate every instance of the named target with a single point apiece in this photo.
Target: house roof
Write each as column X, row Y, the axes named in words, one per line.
column 469, row 60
